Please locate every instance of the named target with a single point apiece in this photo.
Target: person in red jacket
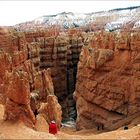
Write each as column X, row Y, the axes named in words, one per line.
column 53, row 127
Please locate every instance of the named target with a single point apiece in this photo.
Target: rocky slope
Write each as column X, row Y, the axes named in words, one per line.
column 107, row 20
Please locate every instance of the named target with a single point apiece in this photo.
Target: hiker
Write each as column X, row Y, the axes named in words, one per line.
column 100, row 126
column 53, row 127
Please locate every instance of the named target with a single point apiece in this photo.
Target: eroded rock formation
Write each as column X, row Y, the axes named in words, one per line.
column 23, row 86
column 17, row 106
column 51, row 110
column 107, row 89
column 37, row 65
column 60, row 53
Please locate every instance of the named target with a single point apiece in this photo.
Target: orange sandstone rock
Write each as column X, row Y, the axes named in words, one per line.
column 107, row 88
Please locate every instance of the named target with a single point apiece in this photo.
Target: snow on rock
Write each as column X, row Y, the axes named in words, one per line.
column 112, row 20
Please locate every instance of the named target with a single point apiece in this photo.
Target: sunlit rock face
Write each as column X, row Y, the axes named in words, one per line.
column 23, row 86
column 107, row 89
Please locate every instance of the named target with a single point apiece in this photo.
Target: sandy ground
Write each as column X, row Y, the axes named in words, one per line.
column 9, row 130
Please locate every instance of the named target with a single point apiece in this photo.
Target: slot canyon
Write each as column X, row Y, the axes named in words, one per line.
column 89, row 78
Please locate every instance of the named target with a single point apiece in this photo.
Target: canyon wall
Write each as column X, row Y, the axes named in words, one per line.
column 23, row 86
column 107, row 89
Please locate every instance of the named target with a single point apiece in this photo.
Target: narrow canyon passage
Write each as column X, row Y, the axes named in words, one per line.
column 61, row 55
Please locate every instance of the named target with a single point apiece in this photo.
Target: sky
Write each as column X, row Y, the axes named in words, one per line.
column 14, row 12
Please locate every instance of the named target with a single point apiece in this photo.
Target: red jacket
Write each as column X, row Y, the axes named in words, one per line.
column 53, row 128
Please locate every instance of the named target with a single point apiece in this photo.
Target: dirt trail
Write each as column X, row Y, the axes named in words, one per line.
column 10, row 130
